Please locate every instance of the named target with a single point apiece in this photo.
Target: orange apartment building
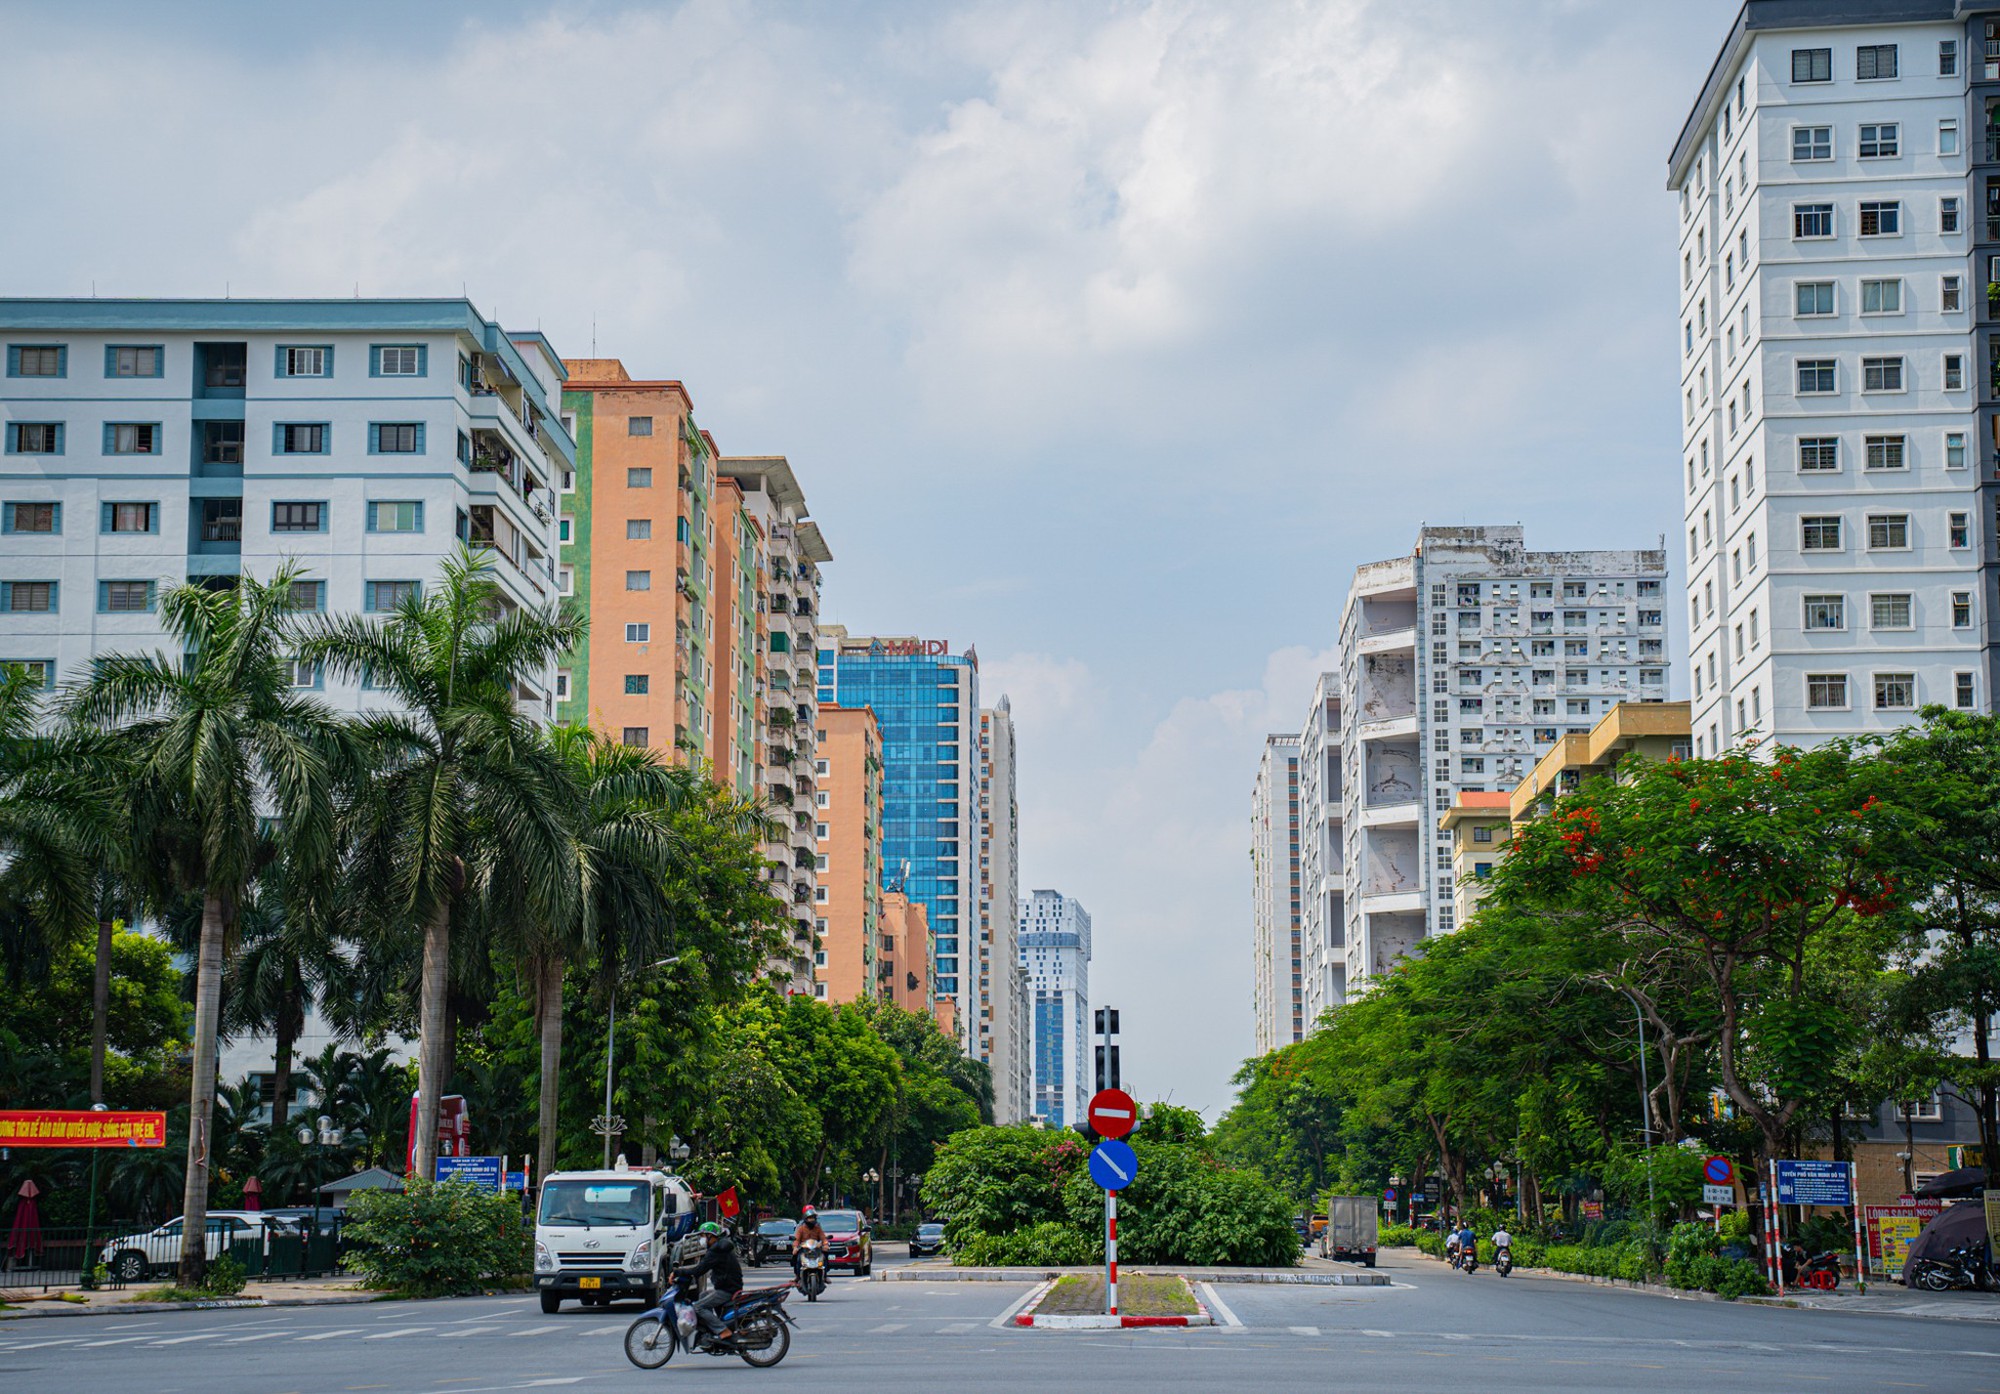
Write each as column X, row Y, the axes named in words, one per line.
column 850, row 854
column 903, row 952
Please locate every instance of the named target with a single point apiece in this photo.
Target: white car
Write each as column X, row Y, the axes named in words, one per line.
column 133, row 1257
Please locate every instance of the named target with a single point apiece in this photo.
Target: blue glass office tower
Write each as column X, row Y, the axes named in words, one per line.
column 926, row 701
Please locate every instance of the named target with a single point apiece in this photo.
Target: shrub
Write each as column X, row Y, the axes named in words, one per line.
column 434, row 1239
column 1046, row 1245
column 1739, row 1277
column 223, row 1277
column 1395, row 1237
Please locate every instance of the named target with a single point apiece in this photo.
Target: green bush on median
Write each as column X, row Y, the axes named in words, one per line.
column 436, row 1238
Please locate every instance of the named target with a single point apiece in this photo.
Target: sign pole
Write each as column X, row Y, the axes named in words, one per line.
column 1854, row 1209
column 1111, row 1253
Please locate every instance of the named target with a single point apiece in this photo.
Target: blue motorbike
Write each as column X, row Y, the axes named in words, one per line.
column 759, row 1327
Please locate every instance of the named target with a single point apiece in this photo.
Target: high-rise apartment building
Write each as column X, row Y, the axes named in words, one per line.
column 152, row 442
column 1460, row 665
column 1322, row 878
column 1003, row 988
column 1278, row 981
column 1838, row 212
column 904, row 958
column 849, row 857
column 1055, row 955
column 926, row 700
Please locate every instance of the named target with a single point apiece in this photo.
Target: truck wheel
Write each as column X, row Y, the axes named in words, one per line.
column 551, row 1299
column 1370, row 1260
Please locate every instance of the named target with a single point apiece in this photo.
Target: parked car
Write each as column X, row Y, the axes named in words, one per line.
column 929, row 1239
column 773, row 1237
column 134, row 1257
column 847, row 1242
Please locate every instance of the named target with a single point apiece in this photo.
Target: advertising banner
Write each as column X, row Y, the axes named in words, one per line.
column 59, row 1127
column 483, row 1172
column 1891, row 1230
column 1993, row 1220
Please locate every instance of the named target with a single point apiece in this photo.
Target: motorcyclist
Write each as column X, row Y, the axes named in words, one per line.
column 1502, row 1243
column 724, row 1271
column 1468, row 1244
column 809, row 1227
column 1451, row 1248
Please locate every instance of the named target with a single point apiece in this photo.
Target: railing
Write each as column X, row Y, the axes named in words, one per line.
column 119, row 1255
column 222, row 530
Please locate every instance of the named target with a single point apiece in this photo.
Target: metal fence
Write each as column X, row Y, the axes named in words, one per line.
column 118, row 1256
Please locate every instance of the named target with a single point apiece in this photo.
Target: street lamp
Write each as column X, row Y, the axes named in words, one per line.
column 327, row 1136
column 609, row 1123
column 874, row 1178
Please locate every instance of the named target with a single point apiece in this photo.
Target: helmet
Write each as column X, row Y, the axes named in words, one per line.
column 811, row 1214
column 711, row 1228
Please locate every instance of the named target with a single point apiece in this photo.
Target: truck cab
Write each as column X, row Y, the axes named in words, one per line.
column 601, row 1235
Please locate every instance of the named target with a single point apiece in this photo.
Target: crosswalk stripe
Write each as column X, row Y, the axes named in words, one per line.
column 470, row 1330
column 329, row 1335
column 114, row 1341
column 257, row 1336
column 1304, row 1330
column 1385, row 1335
column 886, row 1327
column 401, row 1331
column 183, row 1340
column 37, row 1345
column 958, row 1328
column 536, row 1331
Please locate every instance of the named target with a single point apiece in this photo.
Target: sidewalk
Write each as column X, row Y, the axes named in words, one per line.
column 304, row 1292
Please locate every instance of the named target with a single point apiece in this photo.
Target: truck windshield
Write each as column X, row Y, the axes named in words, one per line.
column 589, row 1203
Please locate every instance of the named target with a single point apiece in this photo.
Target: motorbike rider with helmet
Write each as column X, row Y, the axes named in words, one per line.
column 809, row 1227
column 724, row 1271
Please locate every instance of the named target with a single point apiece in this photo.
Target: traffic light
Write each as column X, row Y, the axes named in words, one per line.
column 1108, row 1079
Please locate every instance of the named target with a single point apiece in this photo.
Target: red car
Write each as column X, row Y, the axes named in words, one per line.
column 847, row 1243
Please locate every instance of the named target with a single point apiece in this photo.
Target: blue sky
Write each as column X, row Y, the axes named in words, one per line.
column 1106, row 337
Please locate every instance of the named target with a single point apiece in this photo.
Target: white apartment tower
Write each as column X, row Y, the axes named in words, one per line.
column 1055, row 954
column 1838, row 189
column 1003, row 1022
column 1277, row 992
column 1460, row 665
column 1322, row 878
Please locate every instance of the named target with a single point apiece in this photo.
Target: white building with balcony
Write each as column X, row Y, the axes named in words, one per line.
column 147, row 443
column 1460, row 665
column 1322, row 875
column 1054, row 945
column 1276, row 944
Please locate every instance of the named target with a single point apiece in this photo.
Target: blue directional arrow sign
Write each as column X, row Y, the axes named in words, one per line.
column 1114, row 1165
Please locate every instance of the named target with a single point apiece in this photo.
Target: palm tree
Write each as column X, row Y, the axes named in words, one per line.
column 232, row 768
column 287, row 961
column 468, row 803
column 625, row 849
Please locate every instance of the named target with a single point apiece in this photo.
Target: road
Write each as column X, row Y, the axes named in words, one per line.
column 1434, row 1330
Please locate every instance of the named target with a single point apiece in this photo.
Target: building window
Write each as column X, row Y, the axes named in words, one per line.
column 1948, row 222
column 28, row 597
column 638, row 479
column 34, row 438
column 1880, row 141
column 638, row 633
column 1961, row 609
column 305, row 362
column 1947, row 137
column 1954, row 450
column 131, row 517
column 1881, row 218
column 1812, row 143
column 1958, row 528
column 1819, row 454
column 637, row 736
column 638, row 426
column 638, row 529
column 638, row 684
column 1890, row 611
column 1816, row 376
column 132, row 438
column 37, row 361
column 31, row 517
column 396, row 517
column 302, row 440
column 562, row 686
column 1947, row 57
column 298, row 517
column 381, row 597
column 396, row 438
column 1962, row 691
column 399, row 360
column 133, row 362
column 1812, row 298
column 1883, row 297
column 299, row 673
column 1874, row 61
column 1826, row 612
column 124, row 597
column 1954, row 372
column 222, row 442
column 1826, row 691
column 1881, row 375
column 1895, row 692
column 1811, row 220
column 564, row 528
column 1820, row 533
column 566, row 580
column 1812, row 65
column 1885, row 453
column 638, row 580
column 307, row 596
column 39, row 672
column 1888, row 532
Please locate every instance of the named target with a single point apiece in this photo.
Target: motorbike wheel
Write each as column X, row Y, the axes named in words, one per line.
column 1932, row 1277
column 769, row 1350
column 648, row 1343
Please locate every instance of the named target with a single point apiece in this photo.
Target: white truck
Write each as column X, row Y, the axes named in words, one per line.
column 1350, row 1231
column 606, row 1234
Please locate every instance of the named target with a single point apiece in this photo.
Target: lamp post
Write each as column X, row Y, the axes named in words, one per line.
column 874, row 1178
column 1396, row 1185
column 326, row 1136
column 609, row 1123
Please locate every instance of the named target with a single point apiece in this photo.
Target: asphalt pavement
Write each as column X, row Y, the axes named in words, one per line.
column 1433, row 1330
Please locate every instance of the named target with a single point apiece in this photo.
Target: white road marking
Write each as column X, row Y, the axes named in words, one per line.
column 37, row 1345
column 472, row 1330
column 886, row 1327
column 535, row 1331
column 183, row 1340
column 115, row 1341
column 259, row 1336
column 1217, row 1307
column 329, row 1335
column 958, row 1328
column 1304, row 1330
column 392, row 1335
column 1385, row 1335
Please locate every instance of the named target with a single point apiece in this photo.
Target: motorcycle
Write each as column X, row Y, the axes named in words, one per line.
column 812, row 1269
column 1963, row 1267
column 757, row 1320
column 1503, row 1260
column 1468, row 1259
column 1821, row 1272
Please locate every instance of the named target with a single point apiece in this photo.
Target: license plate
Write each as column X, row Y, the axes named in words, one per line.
column 590, row 1282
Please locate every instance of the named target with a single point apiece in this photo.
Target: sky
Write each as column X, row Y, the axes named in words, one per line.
column 1106, row 337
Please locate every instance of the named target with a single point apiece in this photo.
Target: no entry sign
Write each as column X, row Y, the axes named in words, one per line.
column 1112, row 1113
column 1718, row 1171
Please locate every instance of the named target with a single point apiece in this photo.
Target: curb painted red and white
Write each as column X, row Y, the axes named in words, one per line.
column 1096, row 1322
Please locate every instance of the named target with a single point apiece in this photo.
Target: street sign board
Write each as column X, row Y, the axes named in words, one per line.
column 1718, row 1171
column 1814, row 1183
column 82, row 1127
column 515, row 1181
column 1718, row 1195
column 482, row 1172
column 1113, row 1164
column 1112, row 1113
column 1389, row 1194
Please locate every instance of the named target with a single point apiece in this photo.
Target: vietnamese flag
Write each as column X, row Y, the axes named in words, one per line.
column 728, row 1204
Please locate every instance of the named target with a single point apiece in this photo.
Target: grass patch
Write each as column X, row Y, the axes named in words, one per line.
column 1139, row 1295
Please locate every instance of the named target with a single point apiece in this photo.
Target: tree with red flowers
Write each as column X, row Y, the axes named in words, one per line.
column 1734, row 870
